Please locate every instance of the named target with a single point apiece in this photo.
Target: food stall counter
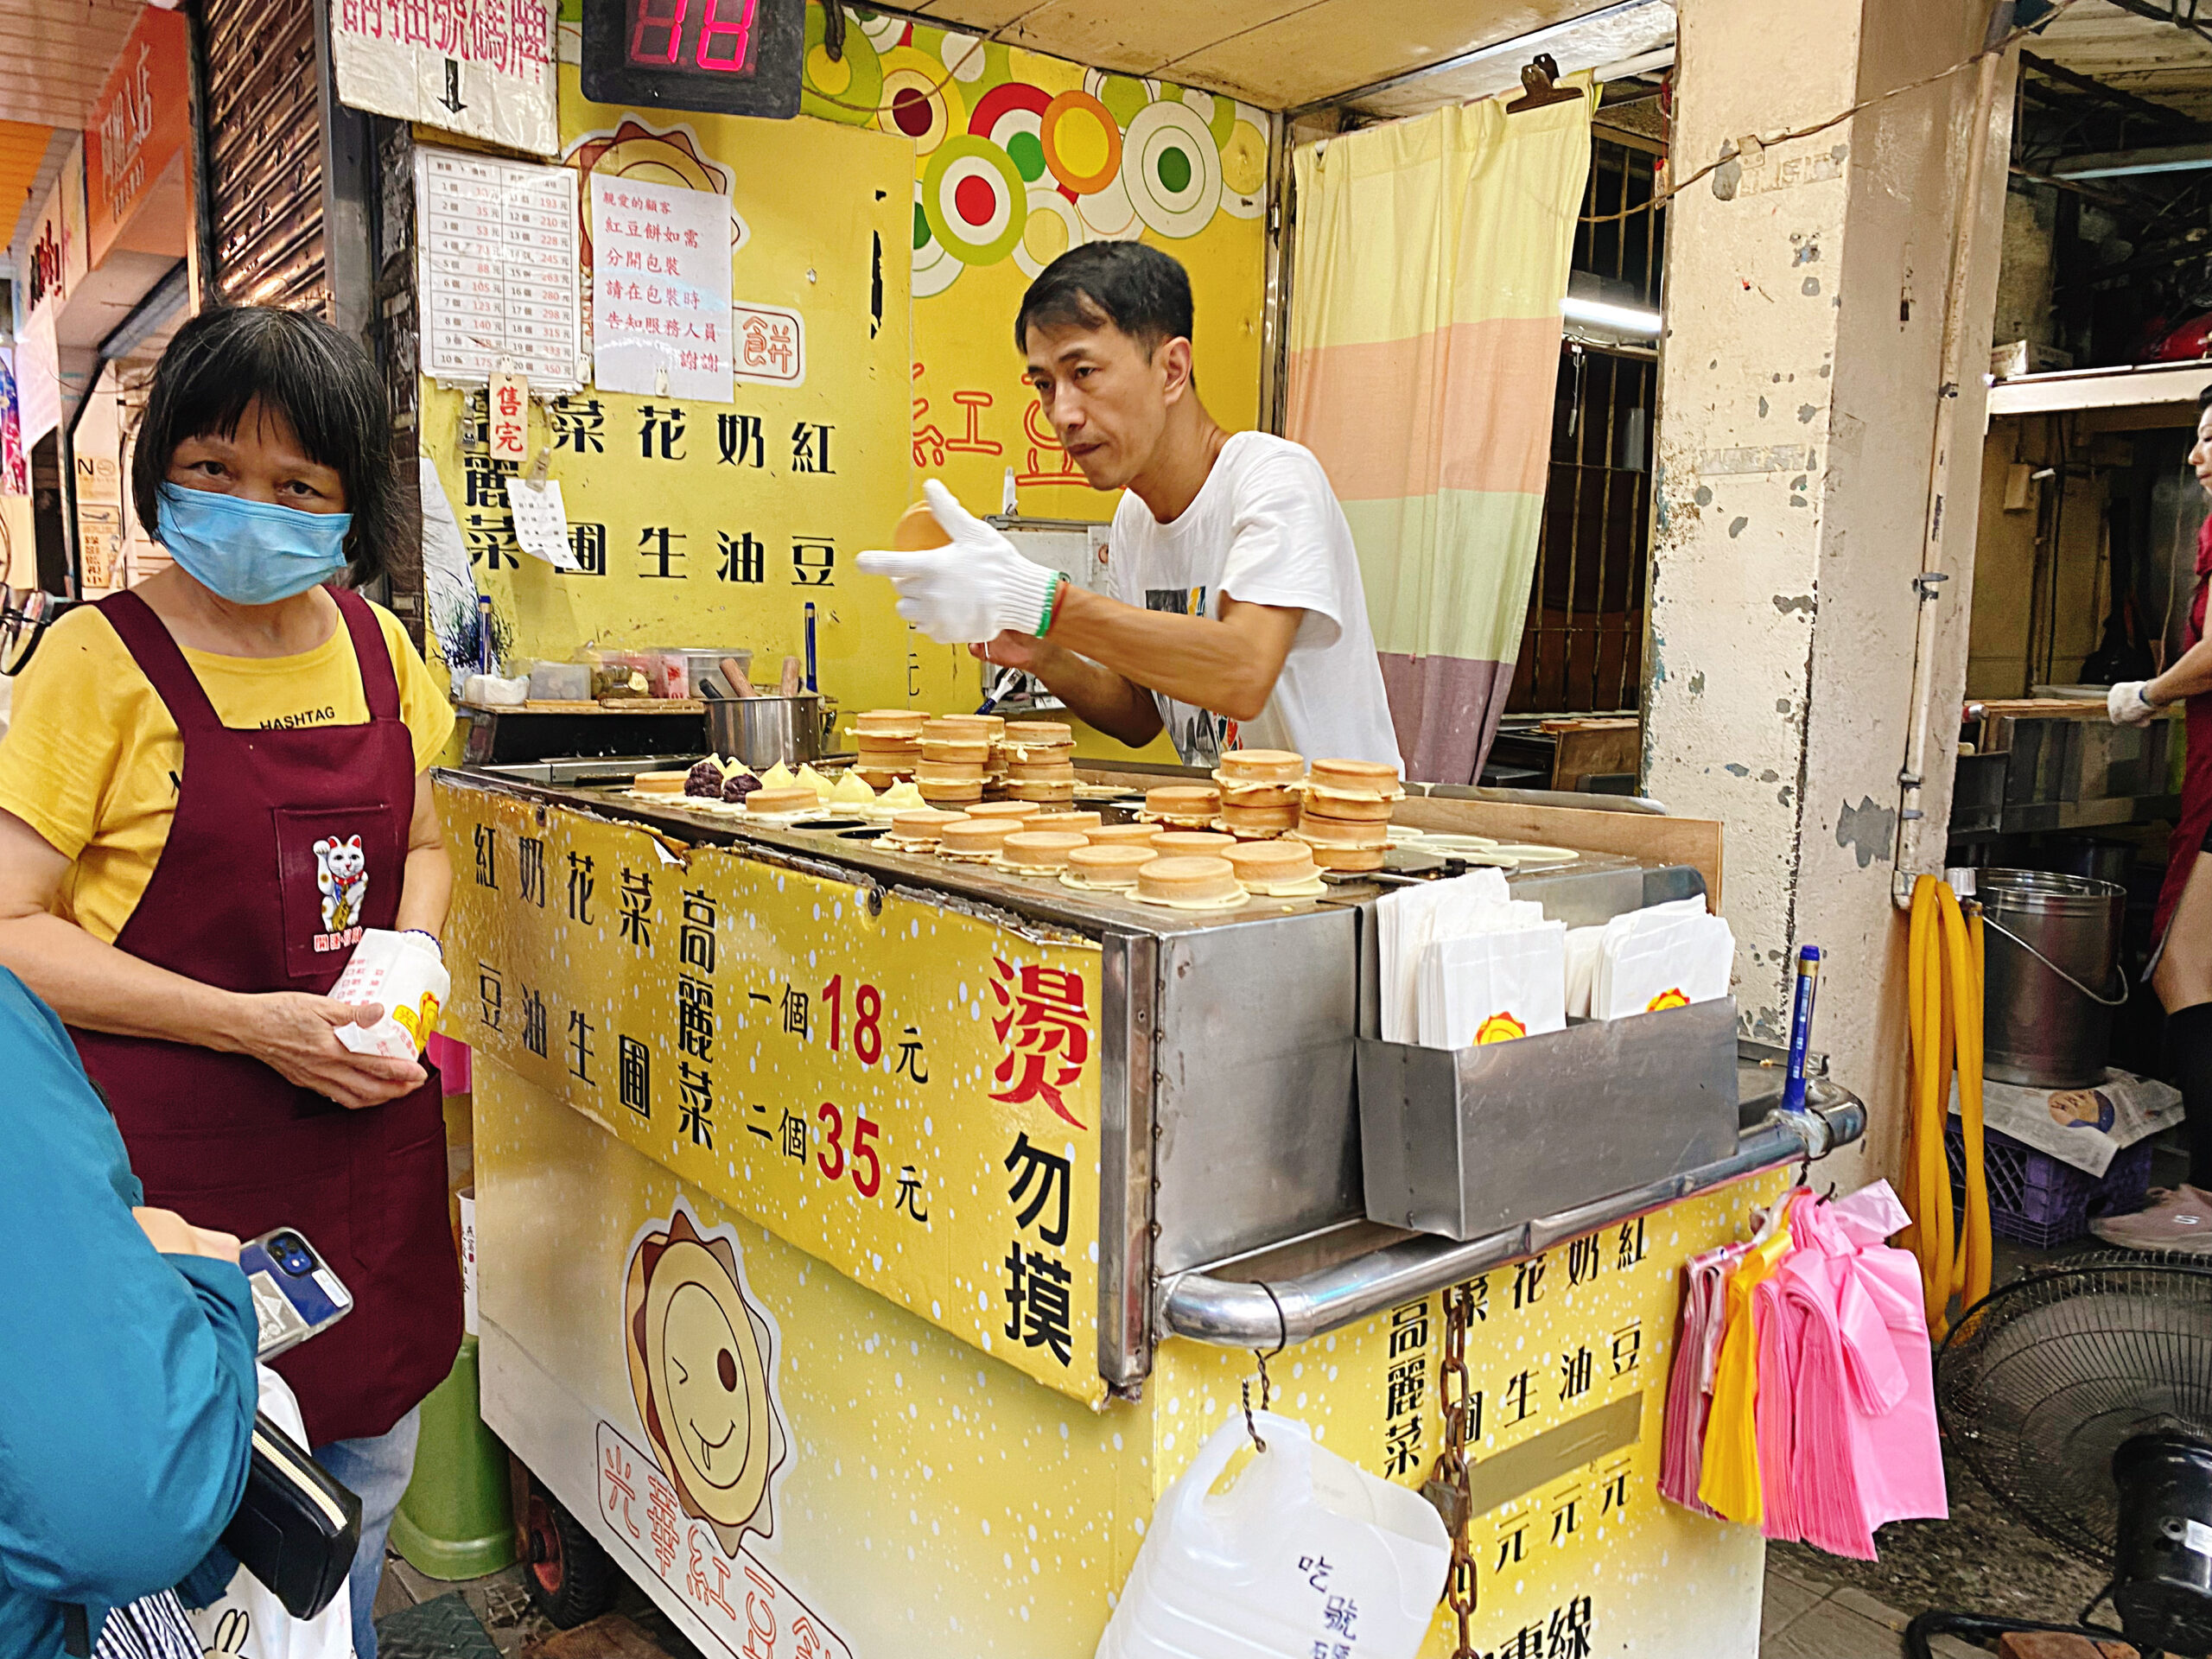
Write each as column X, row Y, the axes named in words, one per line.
column 866, row 1240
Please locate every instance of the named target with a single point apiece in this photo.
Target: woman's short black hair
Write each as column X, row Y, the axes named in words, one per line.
column 1142, row 291
column 323, row 383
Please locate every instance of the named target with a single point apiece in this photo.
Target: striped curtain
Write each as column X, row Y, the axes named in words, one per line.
column 1430, row 259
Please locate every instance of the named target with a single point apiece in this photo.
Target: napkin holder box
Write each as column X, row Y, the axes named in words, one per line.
column 1472, row 1141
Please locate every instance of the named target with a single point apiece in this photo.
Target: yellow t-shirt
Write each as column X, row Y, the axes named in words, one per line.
column 92, row 761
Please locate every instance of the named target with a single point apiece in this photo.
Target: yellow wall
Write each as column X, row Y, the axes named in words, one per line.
column 973, row 417
column 930, row 388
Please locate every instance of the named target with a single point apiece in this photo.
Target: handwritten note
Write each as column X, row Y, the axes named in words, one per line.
column 660, row 289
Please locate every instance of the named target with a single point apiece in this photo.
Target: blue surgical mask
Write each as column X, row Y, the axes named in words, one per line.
column 250, row 552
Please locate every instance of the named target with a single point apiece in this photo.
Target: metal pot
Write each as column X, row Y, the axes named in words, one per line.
column 2052, row 976
column 762, row 731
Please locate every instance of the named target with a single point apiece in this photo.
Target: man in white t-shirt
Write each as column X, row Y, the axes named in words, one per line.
column 1236, row 618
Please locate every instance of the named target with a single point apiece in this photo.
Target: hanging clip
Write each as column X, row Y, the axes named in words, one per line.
column 1541, row 77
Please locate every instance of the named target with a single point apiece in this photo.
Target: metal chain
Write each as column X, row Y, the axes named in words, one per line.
column 1448, row 1486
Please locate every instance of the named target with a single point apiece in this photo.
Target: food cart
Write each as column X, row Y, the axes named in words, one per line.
column 866, row 1241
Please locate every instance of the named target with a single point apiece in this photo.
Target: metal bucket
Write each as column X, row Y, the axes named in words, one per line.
column 762, row 731
column 2053, row 979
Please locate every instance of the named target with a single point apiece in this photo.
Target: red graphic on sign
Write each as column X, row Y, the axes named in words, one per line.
column 1047, row 463
column 1046, row 1029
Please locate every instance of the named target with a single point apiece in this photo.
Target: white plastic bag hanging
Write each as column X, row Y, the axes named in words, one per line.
column 248, row 1621
column 1304, row 1548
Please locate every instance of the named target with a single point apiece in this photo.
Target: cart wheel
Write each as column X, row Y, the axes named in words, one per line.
column 569, row 1578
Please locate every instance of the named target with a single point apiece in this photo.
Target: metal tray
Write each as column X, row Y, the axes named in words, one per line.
column 1465, row 1142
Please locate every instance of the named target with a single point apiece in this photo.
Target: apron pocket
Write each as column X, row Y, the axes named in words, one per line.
column 336, row 867
column 316, row 1203
column 399, row 1185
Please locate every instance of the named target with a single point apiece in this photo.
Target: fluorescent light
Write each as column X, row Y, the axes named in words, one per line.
column 1601, row 314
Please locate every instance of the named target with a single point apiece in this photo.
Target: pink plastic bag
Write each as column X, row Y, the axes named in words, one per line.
column 1846, row 1421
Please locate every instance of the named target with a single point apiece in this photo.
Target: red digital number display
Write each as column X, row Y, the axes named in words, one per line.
column 712, row 36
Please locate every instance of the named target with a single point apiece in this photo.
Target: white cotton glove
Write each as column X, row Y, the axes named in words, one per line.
column 2127, row 706
column 971, row 591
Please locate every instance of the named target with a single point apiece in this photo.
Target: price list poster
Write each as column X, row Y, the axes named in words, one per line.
column 498, row 277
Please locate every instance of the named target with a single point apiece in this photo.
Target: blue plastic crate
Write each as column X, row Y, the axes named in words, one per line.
column 2040, row 1200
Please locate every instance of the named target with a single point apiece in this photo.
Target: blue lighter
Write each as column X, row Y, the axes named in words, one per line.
column 1801, row 1026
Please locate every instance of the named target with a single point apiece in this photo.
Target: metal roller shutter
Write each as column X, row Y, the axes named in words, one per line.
column 264, row 154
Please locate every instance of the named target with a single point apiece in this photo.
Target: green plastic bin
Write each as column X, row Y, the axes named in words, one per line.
column 457, row 1518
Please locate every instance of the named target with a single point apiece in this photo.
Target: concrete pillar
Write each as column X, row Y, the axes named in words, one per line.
column 1798, row 392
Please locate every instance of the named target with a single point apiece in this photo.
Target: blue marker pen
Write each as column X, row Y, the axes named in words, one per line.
column 1801, row 1028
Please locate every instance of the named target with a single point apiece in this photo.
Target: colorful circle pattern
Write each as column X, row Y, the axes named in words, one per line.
column 1007, row 169
column 974, row 198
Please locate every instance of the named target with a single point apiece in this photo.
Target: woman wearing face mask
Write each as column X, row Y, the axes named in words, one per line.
column 212, row 784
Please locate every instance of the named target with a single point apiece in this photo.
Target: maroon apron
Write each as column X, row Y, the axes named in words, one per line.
column 285, row 845
column 2197, row 769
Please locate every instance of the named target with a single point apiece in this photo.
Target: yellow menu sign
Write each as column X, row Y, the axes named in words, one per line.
column 903, row 1090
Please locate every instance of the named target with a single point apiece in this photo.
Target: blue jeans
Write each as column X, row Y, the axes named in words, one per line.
column 377, row 1471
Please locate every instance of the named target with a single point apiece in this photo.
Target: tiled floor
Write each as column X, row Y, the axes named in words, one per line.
column 1805, row 1618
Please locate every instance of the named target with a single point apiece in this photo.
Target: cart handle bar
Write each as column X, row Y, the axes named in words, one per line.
column 1235, row 1313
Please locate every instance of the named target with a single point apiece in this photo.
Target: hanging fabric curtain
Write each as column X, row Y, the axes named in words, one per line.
column 1429, row 263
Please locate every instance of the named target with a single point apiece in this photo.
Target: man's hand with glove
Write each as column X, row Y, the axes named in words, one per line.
column 2127, row 705
column 971, row 591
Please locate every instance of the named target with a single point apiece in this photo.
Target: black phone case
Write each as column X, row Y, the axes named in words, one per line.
column 296, row 1529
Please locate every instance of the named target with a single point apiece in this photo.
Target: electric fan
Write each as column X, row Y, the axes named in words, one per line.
column 2082, row 1398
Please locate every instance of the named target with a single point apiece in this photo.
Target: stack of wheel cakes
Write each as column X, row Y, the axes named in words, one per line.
column 1182, row 806
column 1346, row 815
column 1261, row 791
column 889, row 745
column 956, row 758
column 1040, row 761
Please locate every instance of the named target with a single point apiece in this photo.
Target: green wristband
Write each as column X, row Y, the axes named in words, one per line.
column 1045, row 622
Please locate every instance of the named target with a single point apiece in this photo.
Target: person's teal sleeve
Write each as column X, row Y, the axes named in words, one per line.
column 128, row 1389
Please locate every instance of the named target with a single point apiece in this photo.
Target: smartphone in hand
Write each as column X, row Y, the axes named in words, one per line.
column 295, row 1292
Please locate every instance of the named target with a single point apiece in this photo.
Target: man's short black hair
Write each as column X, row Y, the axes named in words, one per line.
column 1141, row 290
column 322, row 382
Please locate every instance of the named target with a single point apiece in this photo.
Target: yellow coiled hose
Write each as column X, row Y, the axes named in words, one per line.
column 1944, row 995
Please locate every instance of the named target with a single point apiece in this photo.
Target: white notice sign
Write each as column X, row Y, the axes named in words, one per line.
column 660, row 289
column 495, row 247
column 541, row 522
column 483, row 68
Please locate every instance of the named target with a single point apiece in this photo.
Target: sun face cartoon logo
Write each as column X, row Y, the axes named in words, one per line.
column 1667, row 999
column 1501, row 1027
column 700, row 1359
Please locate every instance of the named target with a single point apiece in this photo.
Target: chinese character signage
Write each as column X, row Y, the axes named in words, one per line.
column 481, row 68
column 138, row 129
column 908, row 1092
column 721, row 518
column 660, row 289
column 769, row 345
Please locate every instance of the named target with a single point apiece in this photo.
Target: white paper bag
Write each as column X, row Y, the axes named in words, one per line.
column 1304, row 1548
column 1491, row 988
